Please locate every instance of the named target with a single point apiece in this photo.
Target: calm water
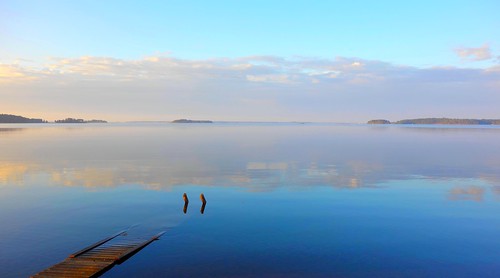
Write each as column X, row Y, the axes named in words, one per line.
column 284, row 200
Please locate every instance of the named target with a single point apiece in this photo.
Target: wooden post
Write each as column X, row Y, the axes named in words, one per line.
column 204, row 203
column 186, row 202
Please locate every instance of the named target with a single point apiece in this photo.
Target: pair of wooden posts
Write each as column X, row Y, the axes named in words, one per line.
column 186, row 203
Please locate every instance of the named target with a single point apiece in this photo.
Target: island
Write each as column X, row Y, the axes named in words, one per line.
column 379, row 122
column 439, row 121
column 13, row 119
column 78, row 121
column 186, row 121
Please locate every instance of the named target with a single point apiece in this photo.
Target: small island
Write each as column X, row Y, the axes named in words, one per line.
column 78, row 121
column 379, row 122
column 13, row 119
column 186, row 121
column 439, row 121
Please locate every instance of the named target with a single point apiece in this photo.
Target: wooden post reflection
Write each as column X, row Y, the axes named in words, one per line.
column 186, row 202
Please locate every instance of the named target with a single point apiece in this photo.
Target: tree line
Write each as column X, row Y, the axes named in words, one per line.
column 14, row 119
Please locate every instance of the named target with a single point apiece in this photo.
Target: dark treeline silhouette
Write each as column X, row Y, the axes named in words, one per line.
column 11, row 119
column 440, row 121
column 379, row 122
column 78, row 121
column 14, row 119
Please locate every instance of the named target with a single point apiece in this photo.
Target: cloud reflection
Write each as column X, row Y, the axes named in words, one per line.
column 14, row 173
column 168, row 157
column 258, row 177
column 470, row 193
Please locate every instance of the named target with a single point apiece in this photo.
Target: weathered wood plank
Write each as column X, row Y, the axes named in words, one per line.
column 140, row 246
column 97, row 258
column 96, row 244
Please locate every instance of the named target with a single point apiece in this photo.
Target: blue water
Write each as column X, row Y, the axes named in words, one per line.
column 283, row 200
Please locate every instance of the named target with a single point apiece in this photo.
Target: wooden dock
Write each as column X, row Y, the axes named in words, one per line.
column 99, row 257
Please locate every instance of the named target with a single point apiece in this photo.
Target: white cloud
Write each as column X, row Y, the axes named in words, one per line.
column 272, row 78
column 474, row 53
column 245, row 88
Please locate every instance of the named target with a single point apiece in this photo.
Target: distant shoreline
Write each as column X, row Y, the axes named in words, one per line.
column 15, row 119
column 186, row 121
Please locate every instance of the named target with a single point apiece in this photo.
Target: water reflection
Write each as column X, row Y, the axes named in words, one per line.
column 352, row 175
column 6, row 130
column 337, row 199
column 474, row 193
column 186, row 202
column 161, row 157
column 202, row 209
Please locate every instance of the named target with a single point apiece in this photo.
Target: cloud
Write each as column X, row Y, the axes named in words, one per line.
column 252, row 69
column 244, row 88
column 14, row 73
column 474, row 53
column 273, row 78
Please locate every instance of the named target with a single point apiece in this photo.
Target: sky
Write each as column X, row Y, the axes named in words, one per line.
column 329, row 61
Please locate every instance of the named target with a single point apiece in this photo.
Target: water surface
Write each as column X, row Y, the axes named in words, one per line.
column 284, row 200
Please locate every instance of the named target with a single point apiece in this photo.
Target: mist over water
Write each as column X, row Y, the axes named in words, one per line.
column 286, row 200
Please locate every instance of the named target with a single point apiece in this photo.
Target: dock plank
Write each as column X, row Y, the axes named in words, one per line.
column 94, row 260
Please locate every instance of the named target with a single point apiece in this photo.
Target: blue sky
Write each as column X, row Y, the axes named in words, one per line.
column 420, row 35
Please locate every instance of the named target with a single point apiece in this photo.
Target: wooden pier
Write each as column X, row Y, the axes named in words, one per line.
column 99, row 257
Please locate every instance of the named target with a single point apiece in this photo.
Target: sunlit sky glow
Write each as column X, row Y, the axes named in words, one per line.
column 335, row 61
